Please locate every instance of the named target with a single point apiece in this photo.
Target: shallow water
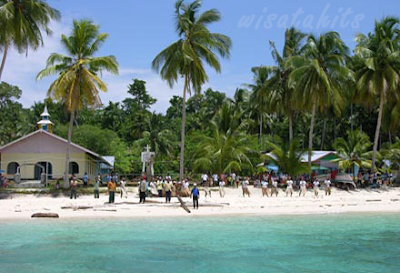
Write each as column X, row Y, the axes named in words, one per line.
column 328, row 243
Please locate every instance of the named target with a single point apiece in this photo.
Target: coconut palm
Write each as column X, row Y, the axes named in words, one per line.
column 318, row 76
column 160, row 139
column 185, row 58
column 227, row 149
column 287, row 156
column 22, row 23
column 281, row 92
column 354, row 151
column 260, row 96
column 78, row 83
column 378, row 69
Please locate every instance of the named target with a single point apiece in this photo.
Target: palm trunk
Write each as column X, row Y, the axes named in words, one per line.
column 71, row 124
column 3, row 62
column 310, row 136
column 290, row 126
column 323, row 135
column 261, row 121
column 378, row 128
column 351, row 117
column 182, row 159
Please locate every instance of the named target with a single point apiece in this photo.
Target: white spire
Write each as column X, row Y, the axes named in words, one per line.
column 45, row 112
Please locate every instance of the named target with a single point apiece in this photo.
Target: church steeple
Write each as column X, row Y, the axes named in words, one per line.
column 45, row 123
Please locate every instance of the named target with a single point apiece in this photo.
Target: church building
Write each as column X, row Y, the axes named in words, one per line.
column 42, row 153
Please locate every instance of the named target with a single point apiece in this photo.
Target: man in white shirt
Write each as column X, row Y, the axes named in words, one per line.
column 204, row 178
column 222, row 188
column 264, row 188
column 289, row 188
column 215, row 178
column 316, row 185
column 303, row 187
column 327, row 183
column 274, row 188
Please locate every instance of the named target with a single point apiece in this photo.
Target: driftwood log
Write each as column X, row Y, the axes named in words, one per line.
column 45, row 215
column 183, row 205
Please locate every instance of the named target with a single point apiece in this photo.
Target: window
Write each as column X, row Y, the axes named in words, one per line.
column 73, row 168
column 12, row 168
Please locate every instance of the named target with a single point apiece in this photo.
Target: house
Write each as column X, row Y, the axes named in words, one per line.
column 320, row 160
column 43, row 153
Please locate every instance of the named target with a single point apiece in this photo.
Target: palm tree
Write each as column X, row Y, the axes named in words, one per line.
column 22, row 23
column 227, row 149
column 378, row 69
column 185, row 58
column 354, row 151
column 78, row 84
column 318, row 76
column 260, row 97
column 161, row 140
column 278, row 83
column 287, row 156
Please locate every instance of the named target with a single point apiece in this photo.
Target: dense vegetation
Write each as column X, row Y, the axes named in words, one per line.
column 319, row 95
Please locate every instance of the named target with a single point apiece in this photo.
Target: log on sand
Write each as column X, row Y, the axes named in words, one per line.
column 45, row 215
column 183, row 204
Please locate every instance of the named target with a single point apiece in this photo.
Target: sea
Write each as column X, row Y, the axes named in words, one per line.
column 312, row 243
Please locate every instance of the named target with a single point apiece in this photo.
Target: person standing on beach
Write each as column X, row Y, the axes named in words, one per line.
column 142, row 190
column 327, row 183
column 85, row 180
column 303, row 187
column 185, row 185
column 195, row 194
column 74, row 186
column 112, row 187
column 289, row 188
column 215, row 178
column 264, row 188
column 245, row 187
column 274, row 188
column 96, row 186
column 222, row 188
column 159, row 186
column 168, row 191
column 123, row 188
column 316, row 185
column 204, row 178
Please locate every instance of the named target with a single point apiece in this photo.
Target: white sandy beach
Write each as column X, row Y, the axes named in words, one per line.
column 375, row 201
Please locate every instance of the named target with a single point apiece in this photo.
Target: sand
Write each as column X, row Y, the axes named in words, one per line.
column 375, row 201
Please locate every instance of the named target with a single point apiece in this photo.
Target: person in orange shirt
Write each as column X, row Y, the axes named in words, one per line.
column 112, row 187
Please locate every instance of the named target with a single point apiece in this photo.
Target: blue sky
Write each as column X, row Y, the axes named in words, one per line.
column 140, row 29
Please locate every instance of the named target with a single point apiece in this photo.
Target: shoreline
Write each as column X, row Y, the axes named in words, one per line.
column 21, row 207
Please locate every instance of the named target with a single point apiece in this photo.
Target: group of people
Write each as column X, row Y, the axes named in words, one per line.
column 270, row 186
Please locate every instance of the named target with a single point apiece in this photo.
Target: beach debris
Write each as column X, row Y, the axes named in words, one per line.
column 45, row 215
column 77, row 207
column 373, row 200
column 394, row 200
column 183, row 204
column 113, row 210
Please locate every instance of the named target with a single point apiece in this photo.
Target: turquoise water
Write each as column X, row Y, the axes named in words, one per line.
column 321, row 243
